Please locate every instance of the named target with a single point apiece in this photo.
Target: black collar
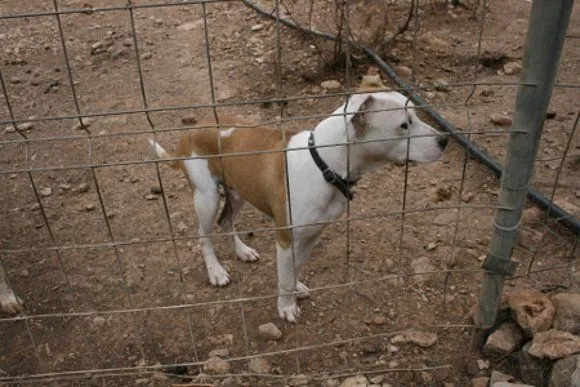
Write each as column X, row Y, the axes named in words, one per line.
column 330, row 176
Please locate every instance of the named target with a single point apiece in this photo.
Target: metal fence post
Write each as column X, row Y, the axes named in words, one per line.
column 546, row 34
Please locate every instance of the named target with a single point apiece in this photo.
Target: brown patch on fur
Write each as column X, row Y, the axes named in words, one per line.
column 259, row 178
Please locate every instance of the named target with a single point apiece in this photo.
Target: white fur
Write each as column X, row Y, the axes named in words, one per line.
column 9, row 302
column 227, row 133
column 312, row 199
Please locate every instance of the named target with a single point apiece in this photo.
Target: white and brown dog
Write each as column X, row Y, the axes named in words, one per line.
column 381, row 126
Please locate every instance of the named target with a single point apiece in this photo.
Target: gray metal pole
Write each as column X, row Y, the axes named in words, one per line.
column 546, row 34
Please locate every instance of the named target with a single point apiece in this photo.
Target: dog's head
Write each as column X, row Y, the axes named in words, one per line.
column 390, row 116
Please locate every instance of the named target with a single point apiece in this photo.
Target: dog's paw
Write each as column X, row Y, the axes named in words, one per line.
column 218, row 276
column 289, row 313
column 10, row 303
column 246, row 254
column 302, row 290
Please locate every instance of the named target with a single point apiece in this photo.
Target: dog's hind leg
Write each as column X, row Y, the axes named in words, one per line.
column 232, row 207
column 205, row 200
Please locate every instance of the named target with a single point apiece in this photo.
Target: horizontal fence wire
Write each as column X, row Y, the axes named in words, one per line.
column 148, row 111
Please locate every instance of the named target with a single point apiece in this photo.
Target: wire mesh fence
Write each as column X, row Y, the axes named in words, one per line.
column 99, row 238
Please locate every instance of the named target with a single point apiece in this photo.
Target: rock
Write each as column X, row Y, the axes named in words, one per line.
column 331, row 85
column 146, row 56
column 355, row 381
column 151, row 197
column 9, row 129
column 15, row 80
column 378, row 379
column 89, row 207
column 141, row 382
column 188, row 26
column 26, row 126
column 532, row 370
column 299, row 380
column 422, row 265
column 441, row 85
column 422, row 339
column 512, row 68
column 566, row 372
column 99, row 321
column 45, row 191
column 434, row 42
column 500, row 120
column 160, row 377
column 259, row 365
column 467, row 197
column 431, row 246
column 445, row 218
column 87, row 122
column 482, row 364
column 331, row 383
column 399, row 339
column 554, row 344
column 551, row 114
column 230, row 381
column 380, row 319
column 480, row 382
column 83, row 187
column 403, row 71
column 508, row 384
column 270, row 331
column 189, row 120
column 567, row 312
column 504, row 340
column 498, row 377
column 216, row 366
column 532, row 310
column 156, row 190
column 182, row 227
column 257, row 27
column 226, row 339
column 220, row 352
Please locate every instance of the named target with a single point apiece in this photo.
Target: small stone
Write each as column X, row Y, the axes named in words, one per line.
column 65, row 186
column 270, row 331
column 89, row 207
column 9, row 129
column 158, row 21
column 551, row 114
column 331, row 85
column 393, row 364
column 480, row 382
column 182, row 227
column 504, row 340
column 220, row 352
column 160, row 377
column 141, row 382
column 216, row 366
column 257, row 27
column 500, row 120
column 431, row 246
column 225, row 339
column 567, row 312
column 189, row 26
column 532, row 310
column 83, row 187
column 512, row 68
column 259, row 365
column 15, row 80
column 24, row 273
column 482, row 364
column 146, row 56
column 554, row 344
column 331, row 383
column 380, row 319
column 26, row 126
column 430, row 95
column 189, row 120
column 423, row 268
column 508, row 384
column 399, row 339
column 433, row 42
column 156, row 190
column 378, row 379
column 45, row 191
column 445, row 218
column 403, row 71
column 498, row 377
column 87, row 121
column 99, row 321
column 355, row 381
column 299, row 380
column 467, row 197
column 442, row 85
column 35, row 207
column 422, row 339
column 151, row 197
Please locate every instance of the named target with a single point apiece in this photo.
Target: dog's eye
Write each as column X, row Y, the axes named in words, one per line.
column 404, row 126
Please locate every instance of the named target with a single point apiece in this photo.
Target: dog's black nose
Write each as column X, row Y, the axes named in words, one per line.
column 442, row 142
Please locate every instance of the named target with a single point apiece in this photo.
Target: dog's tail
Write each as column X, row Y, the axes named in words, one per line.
column 162, row 154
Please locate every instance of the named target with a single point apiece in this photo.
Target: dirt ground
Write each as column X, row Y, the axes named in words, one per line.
column 111, row 298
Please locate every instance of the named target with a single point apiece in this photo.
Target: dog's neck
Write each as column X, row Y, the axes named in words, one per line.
column 332, row 131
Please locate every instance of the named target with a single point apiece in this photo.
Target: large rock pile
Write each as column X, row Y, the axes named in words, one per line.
column 542, row 334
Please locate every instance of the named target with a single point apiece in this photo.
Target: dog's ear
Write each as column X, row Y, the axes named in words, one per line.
column 359, row 104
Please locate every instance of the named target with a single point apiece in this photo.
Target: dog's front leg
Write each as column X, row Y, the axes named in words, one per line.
column 9, row 302
column 287, row 307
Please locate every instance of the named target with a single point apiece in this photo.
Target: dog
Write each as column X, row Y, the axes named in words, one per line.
column 9, row 303
column 300, row 180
